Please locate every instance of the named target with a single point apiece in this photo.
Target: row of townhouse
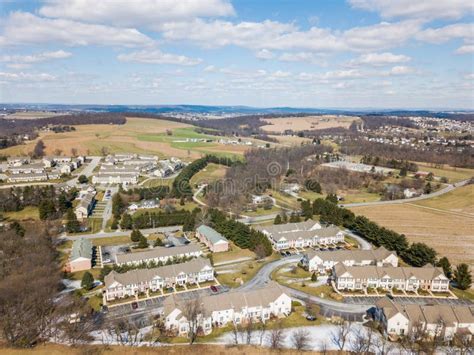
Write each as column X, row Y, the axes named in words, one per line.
column 86, row 204
column 322, row 261
column 389, row 277
column 439, row 320
column 236, row 307
column 301, row 235
column 215, row 241
column 158, row 254
column 133, row 282
column 115, row 179
column 168, row 166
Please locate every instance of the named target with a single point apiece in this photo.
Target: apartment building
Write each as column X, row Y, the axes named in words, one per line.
column 237, row 307
column 437, row 319
column 81, row 255
column 301, row 235
column 133, row 282
column 215, row 241
column 321, row 261
column 389, row 277
column 85, row 206
column 112, row 179
column 158, row 254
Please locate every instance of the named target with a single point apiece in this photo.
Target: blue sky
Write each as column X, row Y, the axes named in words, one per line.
column 302, row 53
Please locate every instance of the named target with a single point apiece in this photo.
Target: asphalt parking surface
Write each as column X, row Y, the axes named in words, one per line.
column 409, row 300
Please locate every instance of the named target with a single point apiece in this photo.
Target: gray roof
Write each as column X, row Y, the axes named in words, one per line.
column 290, row 227
column 401, row 273
column 81, row 248
column 157, row 252
column 358, row 255
column 138, row 276
column 211, row 234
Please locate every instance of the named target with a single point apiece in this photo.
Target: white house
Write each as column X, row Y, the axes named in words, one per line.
column 133, row 282
column 301, row 235
column 389, row 277
column 435, row 319
column 85, row 206
column 158, row 254
column 321, row 261
column 237, row 307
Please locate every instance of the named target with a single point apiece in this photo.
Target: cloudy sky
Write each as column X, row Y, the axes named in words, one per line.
column 304, row 53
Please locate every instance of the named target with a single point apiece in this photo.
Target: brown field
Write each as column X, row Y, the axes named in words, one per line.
column 450, row 233
column 31, row 115
column 279, row 125
column 184, row 349
column 137, row 135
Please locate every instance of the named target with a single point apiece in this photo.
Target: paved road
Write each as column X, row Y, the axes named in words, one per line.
column 195, row 196
column 443, row 191
column 365, row 245
column 107, row 214
column 122, row 233
column 87, row 171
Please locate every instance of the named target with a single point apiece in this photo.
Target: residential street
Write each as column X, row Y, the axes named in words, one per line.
column 122, row 233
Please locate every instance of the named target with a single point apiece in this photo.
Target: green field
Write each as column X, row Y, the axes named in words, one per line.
column 460, row 200
column 26, row 213
column 210, row 173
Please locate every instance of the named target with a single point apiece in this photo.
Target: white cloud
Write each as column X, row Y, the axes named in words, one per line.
column 157, row 57
column 466, row 49
column 136, row 13
column 210, row 69
column 400, row 70
column 6, row 76
column 273, row 35
column 424, row 9
column 26, row 28
column 301, row 57
column 446, row 33
column 343, row 74
column 379, row 59
column 24, row 60
column 264, row 54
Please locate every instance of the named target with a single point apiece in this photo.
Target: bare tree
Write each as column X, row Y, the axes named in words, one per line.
column 123, row 332
column 249, row 330
column 463, row 343
column 193, row 311
column 74, row 321
column 362, row 340
column 300, row 339
column 277, row 337
column 263, row 328
column 235, row 334
column 340, row 335
column 323, row 347
column 74, row 152
column 382, row 346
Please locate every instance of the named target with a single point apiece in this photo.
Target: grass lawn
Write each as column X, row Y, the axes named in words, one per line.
column 26, row 213
column 297, row 273
column 119, row 240
column 261, row 211
column 247, row 270
column 355, row 196
column 285, row 200
column 453, row 174
column 464, row 294
column 310, row 195
column 234, row 253
column 157, row 182
column 210, row 173
column 95, row 302
column 78, row 275
column 95, row 224
column 460, row 200
column 352, row 241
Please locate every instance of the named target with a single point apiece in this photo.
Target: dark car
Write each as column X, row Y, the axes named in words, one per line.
column 134, row 305
column 214, row 289
column 310, row 318
column 282, row 253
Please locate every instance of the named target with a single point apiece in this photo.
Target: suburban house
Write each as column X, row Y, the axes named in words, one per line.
column 133, row 282
column 435, row 319
column 237, row 307
column 321, row 261
column 260, row 200
column 124, row 179
column 215, row 241
column 301, row 235
column 158, row 254
column 85, row 206
column 17, row 161
column 144, row 204
column 36, row 168
column 81, row 255
column 28, row 177
column 389, row 277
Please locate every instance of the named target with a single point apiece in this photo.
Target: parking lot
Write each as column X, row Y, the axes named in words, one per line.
column 297, row 251
column 409, row 300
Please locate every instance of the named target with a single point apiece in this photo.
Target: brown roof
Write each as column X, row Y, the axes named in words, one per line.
column 157, row 252
column 371, row 271
column 288, row 227
column 357, row 255
column 138, row 276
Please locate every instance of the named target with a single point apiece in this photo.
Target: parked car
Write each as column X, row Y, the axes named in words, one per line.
column 310, row 318
column 134, row 305
column 214, row 289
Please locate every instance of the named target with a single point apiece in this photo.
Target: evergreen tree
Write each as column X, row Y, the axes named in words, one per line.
column 83, row 179
column 419, row 254
column 87, row 281
column 277, row 219
column 72, row 224
column 158, row 242
column 294, row 218
column 307, row 209
column 314, row 277
column 428, row 188
column 136, row 235
column 332, row 198
column 403, row 171
column 446, row 265
column 18, row 228
column 46, row 209
column 143, row 242
column 188, row 224
column 126, row 222
column 462, row 276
